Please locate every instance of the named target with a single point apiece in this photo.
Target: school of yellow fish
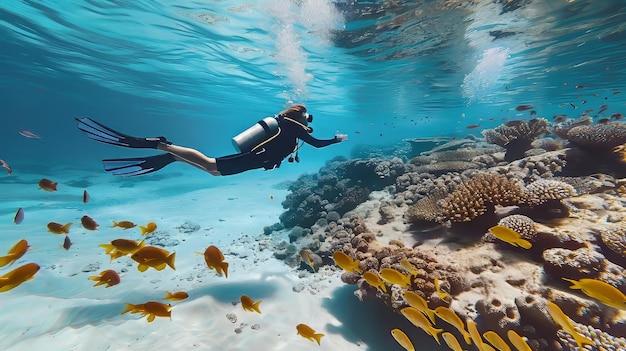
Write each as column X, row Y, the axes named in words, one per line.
column 426, row 319
column 417, row 311
column 145, row 256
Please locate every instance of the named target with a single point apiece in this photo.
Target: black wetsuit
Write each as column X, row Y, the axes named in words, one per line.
column 271, row 154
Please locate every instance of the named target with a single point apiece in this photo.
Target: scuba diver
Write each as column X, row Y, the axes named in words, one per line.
column 264, row 145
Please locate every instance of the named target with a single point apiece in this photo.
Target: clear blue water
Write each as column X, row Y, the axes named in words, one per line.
column 199, row 72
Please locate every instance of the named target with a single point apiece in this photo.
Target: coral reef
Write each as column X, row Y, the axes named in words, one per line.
column 599, row 136
column 546, row 190
column 419, row 145
column 339, row 186
column 479, row 195
column 562, row 128
column 516, row 136
column 613, row 243
column 382, row 212
column 438, row 168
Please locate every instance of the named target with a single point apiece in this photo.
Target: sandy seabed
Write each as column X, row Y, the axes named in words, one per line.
column 60, row 309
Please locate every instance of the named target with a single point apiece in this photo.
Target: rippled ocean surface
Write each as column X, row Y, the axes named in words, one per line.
column 205, row 70
column 200, row 72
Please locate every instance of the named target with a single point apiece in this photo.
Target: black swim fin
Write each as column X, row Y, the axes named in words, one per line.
column 128, row 167
column 99, row 132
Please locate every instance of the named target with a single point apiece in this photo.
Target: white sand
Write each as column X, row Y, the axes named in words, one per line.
column 60, row 309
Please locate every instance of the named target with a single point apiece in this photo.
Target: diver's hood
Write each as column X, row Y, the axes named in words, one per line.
column 303, row 118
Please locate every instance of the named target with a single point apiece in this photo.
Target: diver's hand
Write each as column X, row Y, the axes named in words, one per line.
column 340, row 137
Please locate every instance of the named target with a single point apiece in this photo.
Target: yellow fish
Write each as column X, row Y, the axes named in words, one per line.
column 306, row 258
column 346, row 262
column 563, row 321
column 442, row 294
column 496, row 341
column 451, row 341
column 151, row 308
column 418, row 302
column 155, row 257
column 518, row 341
column 409, row 267
column 125, row 246
column 149, row 228
column 308, row 333
column 476, row 338
column 402, row 339
column 15, row 253
column 123, row 224
column 419, row 320
column 17, row 276
column 601, row 291
column 249, row 305
column 451, row 317
column 510, row 236
column 108, row 277
column 58, row 228
column 392, row 276
column 374, row 280
column 214, row 259
column 177, row 296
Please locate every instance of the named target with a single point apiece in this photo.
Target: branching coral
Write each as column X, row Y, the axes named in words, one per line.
column 516, row 136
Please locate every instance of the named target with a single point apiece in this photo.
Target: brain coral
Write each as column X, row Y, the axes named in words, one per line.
column 599, row 136
column 480, row 194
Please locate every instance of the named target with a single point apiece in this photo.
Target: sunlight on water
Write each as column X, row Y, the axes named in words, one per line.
column 321, row 17
column 486, row 74
column 296, row 25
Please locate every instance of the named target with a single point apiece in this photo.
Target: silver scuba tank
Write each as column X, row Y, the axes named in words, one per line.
column 253, row 136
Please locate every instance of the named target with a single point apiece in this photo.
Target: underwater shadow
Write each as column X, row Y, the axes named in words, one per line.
column 131, row 182
column 96, row 314
column 229, row 292
column 109, row 313
column 83, row 182
column 370, row 322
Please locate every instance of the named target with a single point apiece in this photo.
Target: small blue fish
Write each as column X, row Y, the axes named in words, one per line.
column 28, row 134
column 19, row 216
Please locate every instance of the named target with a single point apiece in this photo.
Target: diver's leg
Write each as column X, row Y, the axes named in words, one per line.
column 192, row 157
